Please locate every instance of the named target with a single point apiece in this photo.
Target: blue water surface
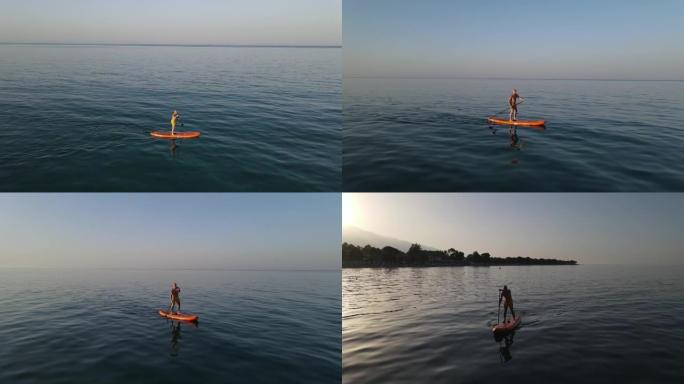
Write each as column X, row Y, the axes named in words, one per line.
column 417, row 135
column 102, row 326
column 78, row 118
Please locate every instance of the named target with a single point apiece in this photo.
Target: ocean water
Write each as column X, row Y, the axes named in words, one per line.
column 102, row 326
column 432, row 135
column 580, row 324
column 78, row 118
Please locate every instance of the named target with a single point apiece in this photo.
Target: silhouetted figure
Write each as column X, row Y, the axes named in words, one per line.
column 506, row 294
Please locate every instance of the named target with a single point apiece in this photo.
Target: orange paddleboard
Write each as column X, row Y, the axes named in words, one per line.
column 178, row 316
column 527, row 123
column 509, row 325
column 177, row 135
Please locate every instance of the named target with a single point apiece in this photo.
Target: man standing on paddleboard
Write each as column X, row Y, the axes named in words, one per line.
column 505, row 293
column 175, row 298
column 174, row 117
column 513, row 103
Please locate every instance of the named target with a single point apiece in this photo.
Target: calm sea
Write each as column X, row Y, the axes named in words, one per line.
column 581, row 324
column 78, row 118
column 102, row 326
column 432, row 135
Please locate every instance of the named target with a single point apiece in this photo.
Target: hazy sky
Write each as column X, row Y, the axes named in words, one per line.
column 291, row 22
column 590, row 228
column 607, row 39
column 262, row 231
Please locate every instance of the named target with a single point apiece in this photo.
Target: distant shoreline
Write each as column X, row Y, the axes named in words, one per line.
column 452, row 266
column 382, row 77
column 354, row 256
column 176, row 45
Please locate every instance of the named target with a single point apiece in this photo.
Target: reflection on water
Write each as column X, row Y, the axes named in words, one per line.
column 418, row 325
column 175, row 329
column 429, row 135
column 272, row 117
column 515, row 141
column 505, row 344
column 67, row 326
column 173, row 147
column 175, row 338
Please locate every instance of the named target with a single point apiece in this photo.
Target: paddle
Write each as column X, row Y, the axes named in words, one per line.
column 507, row 108
column 498, row 312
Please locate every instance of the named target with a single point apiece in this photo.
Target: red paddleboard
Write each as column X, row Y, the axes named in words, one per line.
column 178, row 316
column 507, row 326
column 177, row 135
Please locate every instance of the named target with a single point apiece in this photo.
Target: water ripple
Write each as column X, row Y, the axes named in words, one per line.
column 84, row 326
column 431, row 135
column 78, row 118
column 593, row 324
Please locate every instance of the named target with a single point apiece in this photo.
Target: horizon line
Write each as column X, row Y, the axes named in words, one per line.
column 183, row 45
column 502, row 78
column 181, row 269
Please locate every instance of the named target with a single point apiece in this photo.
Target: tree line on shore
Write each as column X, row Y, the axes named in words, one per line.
column 354, row 256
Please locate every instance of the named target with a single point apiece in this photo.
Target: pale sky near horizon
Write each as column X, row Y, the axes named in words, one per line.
column 232, row 230
column 560, row 39
column 257, row 22
column 601, row 228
